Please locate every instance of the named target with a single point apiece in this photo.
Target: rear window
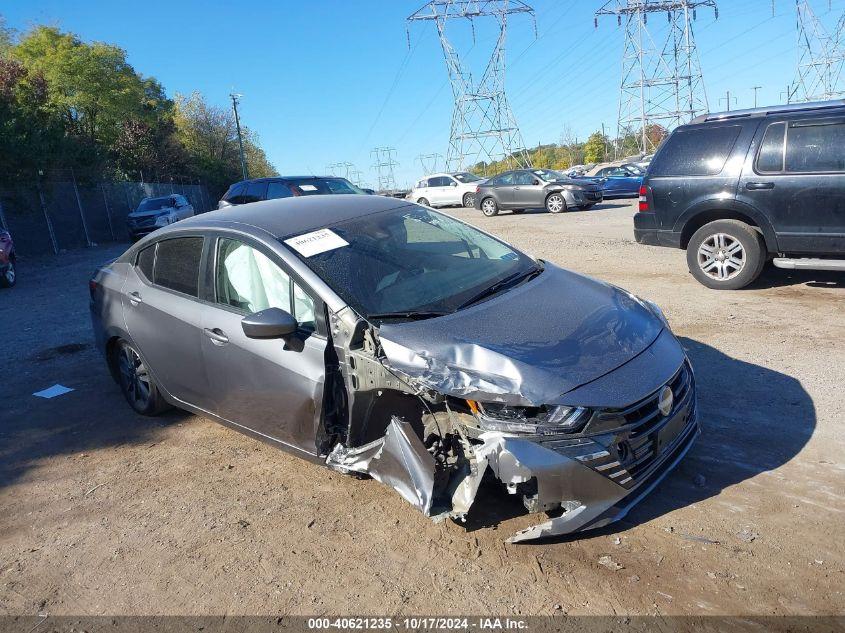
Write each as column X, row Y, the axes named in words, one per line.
column 177, row 264
column 696, row 152
column 815, row 146
column 145, row 261
column 235, row 191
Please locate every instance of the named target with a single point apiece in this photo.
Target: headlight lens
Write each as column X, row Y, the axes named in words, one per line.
column 547, row 420
column 574, row 188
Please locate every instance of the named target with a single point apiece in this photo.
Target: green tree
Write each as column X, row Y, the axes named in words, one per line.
column 595, row 149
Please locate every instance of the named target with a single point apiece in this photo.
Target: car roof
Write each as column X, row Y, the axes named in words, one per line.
column 277, row 178
column 296, row 215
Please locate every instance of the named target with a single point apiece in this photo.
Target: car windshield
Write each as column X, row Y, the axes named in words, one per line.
column 548, row 175
column 154, row 204
column 322, row 186
column 410, row 261
column 465, row 176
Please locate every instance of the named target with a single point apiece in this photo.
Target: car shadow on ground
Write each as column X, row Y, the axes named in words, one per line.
column 753, row 420
column 772, row 277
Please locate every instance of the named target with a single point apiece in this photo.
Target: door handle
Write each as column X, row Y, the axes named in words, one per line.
column 516, row 188
column 135, row 298
column 216, row 335
column 754, row 186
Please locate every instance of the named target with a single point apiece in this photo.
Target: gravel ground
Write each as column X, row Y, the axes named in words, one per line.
column 104, row 512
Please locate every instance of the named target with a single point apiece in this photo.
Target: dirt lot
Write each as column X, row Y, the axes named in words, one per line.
column 104, row 512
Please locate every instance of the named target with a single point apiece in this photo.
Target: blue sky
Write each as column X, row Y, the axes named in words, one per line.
column 325, row 81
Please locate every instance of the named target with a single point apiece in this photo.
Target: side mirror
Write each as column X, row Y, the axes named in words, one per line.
column 269, row 323
column 453, row 184
column 536, row 182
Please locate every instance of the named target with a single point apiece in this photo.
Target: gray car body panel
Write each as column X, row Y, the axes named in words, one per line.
column 590, row 345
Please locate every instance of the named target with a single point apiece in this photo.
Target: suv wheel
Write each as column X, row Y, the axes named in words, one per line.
column 726, row 254
column 489, row 207
column 469, row 200
column 555, row 203
column 10, row 277
column 135, row 381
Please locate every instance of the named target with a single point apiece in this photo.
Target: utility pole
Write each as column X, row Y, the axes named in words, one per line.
column 755, row 89
column 235, row 100
column 662, row 83
column 484, row 129
column 727, row 99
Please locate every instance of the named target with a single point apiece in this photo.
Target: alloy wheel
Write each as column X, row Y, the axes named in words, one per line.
column 489, row 206
column 134, row 377
column 10, row 274
column 721, row 257
column 555, row 203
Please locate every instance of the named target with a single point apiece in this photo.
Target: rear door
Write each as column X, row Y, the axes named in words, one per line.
column 797, row 179
column 273, row 387
column 439, row 190
column 163, row 316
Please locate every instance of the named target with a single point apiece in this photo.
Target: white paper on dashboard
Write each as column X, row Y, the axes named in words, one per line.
column 316, row 242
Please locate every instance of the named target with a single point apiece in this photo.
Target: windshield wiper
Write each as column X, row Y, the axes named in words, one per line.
column 510, row 280
column 411, row 314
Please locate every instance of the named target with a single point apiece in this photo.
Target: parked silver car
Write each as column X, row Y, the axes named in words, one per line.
column 381, row 337
column 522, row 189
column 154, row 213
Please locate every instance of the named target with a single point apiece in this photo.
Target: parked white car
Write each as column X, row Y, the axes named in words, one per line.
column 441, row 190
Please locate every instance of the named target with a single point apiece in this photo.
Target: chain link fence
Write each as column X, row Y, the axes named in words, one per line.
column 52, row 216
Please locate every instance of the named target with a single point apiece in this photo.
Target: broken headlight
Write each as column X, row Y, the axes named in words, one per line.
column 543, row 420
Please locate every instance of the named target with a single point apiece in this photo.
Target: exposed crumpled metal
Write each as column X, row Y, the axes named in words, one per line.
column 399, row 460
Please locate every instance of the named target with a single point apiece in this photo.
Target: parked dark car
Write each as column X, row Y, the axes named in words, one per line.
column 618, row 180
column 8, row 260
column 737, row 188
column 377, row 336
column 154, row 213
column 522, row 189
column 259, row 189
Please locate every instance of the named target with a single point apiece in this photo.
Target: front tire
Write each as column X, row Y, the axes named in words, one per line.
column 136, row 382
column 469, row 200
column 726, row 255
column 555, row 203
column 10, row 277
column 489, row 207
column 423, row 202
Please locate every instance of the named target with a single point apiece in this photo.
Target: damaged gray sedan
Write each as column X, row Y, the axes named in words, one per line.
column 380, row 337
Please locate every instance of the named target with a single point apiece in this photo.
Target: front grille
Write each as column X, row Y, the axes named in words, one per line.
column 642, row 444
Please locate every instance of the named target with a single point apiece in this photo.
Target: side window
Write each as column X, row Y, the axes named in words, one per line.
column 303, row 309
column 524, row 178
column 770, row 155
column 177, row 264
column 255, row 191
column 145, row 261
column 276, row 190
column 235, row 194
column 815, row 146
column 504, row 179
column 695, row 152
column 248, row 280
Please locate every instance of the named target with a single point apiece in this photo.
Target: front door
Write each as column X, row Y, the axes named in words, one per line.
column 160, row 295
column 797, row 179
column 273, row 387
column 528, row 192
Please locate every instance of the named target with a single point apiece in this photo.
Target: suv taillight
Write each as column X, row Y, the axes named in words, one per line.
column 643, row 198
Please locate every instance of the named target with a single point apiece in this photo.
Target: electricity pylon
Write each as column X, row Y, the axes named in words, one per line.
column 483, row 126
column 429, row 162
column 384, row 164
column 661, row 85
column 821, row 57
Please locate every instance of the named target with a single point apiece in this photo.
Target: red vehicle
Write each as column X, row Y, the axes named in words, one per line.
column 8, row 275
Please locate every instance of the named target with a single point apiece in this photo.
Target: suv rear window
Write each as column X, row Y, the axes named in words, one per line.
column 177, row 264
column 815, row 146
column 697, row 152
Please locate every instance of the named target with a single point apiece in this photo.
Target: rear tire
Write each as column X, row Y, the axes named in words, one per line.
column 555, row 203
column 726, row 254
column 10, row 277
column 469, row 200
column 489, row 207
column 136, row 382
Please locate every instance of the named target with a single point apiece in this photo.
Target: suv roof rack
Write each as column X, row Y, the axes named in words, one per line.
column 791, row 107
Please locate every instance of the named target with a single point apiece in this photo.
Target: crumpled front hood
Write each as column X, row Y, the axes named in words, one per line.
column 528, row 346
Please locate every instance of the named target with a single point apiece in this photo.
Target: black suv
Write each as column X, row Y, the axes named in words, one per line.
column 285, row 187
column 737, row 188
